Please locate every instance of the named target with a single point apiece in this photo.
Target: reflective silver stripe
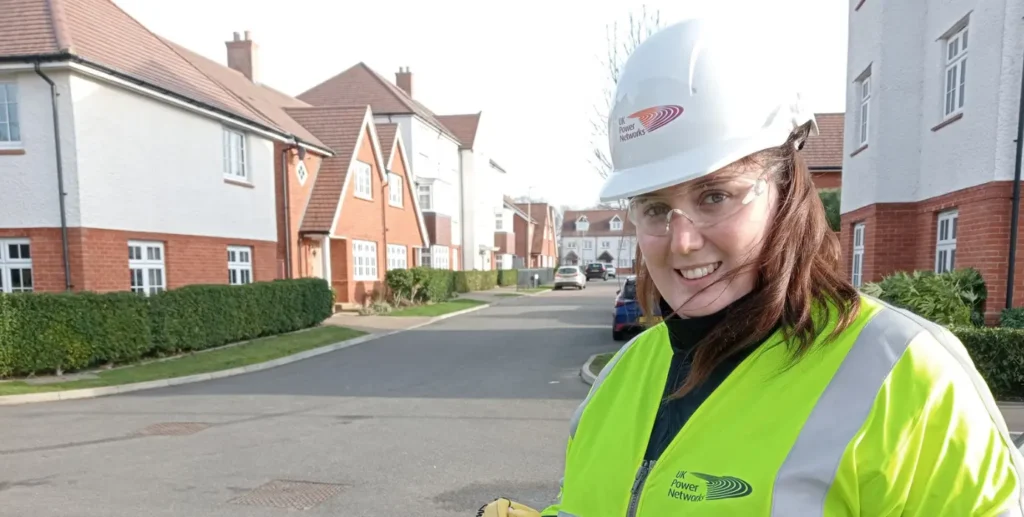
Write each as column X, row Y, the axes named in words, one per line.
column 566, row 514
column 805, row 477
column 1012, row 512
column 575, row 421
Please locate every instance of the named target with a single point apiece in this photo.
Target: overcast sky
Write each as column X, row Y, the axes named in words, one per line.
column 533, row 67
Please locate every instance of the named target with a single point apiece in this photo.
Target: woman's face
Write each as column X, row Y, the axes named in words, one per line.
column 732, row 210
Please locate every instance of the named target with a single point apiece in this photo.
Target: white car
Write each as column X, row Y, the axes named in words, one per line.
column 567, row 276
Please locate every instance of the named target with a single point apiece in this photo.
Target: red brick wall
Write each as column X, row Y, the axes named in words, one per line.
column 99, row 258
column 902, row 237
column 827, row 179
column 403, row 226
column 298, row 197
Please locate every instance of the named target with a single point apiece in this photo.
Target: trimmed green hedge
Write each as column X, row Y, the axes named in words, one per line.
column 998, row 354
column 466, row 281
column 508, row 277
column 421, row 284
column 59, row 332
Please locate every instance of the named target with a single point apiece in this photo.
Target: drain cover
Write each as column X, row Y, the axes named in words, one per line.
column 298, row 495
column 173, row 429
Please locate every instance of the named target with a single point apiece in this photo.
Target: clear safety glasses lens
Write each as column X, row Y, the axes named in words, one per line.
column 703, row 205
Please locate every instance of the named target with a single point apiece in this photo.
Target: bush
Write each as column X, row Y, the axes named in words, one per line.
column 508, row 277
column 420, row 285
column 58, row 332
column 951, row 298
column 1009, row 318
column 998, row 354
column 830, row 199
column 466, row 281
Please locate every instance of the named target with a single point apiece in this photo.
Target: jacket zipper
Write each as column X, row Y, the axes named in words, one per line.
column 638, row 486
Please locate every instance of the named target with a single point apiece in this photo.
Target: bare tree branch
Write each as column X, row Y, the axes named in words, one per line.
column 620, row 45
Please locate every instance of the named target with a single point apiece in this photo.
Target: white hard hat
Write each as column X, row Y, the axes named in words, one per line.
column 695, row 97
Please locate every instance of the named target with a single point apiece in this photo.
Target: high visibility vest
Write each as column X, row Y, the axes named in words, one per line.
column 890, row 418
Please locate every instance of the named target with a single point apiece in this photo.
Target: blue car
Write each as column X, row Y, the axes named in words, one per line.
column 628, row 316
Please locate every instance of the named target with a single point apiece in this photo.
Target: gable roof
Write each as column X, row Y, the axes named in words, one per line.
column 99, row 34
column 361, row 85
column 392, row 146
column 825, row 151
column 511, row 203
column 464, row 127
column 387, row 134
column 541, row 213
column 342, row 128
column 266, row 101
column 600, row 223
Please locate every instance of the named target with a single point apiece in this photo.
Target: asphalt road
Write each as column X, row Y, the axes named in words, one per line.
column 432, row 422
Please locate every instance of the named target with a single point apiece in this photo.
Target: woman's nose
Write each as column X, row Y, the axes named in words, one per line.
column 685, row 237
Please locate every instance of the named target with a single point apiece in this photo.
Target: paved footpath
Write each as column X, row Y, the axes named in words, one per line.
column 430, row 422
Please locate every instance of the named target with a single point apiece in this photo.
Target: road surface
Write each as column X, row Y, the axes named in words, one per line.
column 432, row 422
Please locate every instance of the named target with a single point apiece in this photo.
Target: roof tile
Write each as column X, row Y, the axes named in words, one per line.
column 464, row 127
column 600, row 223
column 387, row 134
column 825, row 151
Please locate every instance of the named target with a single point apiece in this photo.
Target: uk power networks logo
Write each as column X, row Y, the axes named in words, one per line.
column 650, row 120
column 697, row 487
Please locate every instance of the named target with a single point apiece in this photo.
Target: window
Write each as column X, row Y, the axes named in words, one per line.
column 364, row 253
column 864, row 114
column 606, row 245
column 587, row 245
column 239, row 265
column 363, row 180
column 146, row 264
column 10, row 129
column 945, row 242
column 398, row 258
column 499, row 262
column 15, row 265
column 301, row 173
column 234, row 154
column 424, row 257
column 394, row 189
column 616, row 223
column 499, row 222
column 858, row 254
column 582, row 224
column 439, row 257
column 625, row 262
column 426, row 197
column 956, row 72
column 570, row 244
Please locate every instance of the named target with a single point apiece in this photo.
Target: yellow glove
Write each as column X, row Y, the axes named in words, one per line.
column 502, row 507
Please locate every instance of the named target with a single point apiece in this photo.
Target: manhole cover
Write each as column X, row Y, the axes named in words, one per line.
column 299, row 495
column 173, row 429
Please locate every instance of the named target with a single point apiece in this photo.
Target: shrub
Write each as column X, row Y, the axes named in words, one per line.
column 508, row 277
column 420, row 285
column 951, row 298
column 998, row 354
column 466, row 281
column 830, row 199
column 57, row 332
column 1009, row 318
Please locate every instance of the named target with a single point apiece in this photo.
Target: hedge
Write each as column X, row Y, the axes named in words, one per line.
column 998, row 353
column 59, row 332
column 421, row 284
column 466, row 281
column 508, row 277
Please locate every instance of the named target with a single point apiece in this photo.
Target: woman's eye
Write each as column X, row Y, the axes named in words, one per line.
column 654, row 210
column 714, row 198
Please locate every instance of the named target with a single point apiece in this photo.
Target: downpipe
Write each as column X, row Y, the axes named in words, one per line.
column 61, row 194
column 1015, row 213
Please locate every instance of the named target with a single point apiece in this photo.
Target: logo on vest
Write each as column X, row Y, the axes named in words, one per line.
column 698, row 487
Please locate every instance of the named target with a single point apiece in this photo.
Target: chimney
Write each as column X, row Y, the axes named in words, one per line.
column 404, row 80
column 243, row 55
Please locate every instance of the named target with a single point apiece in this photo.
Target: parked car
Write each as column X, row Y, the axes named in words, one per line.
column 597, row 270
column 567, row 276
column 628, row 317
column 611, row 271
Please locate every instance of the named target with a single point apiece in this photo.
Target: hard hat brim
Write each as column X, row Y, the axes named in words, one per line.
column 678, row 169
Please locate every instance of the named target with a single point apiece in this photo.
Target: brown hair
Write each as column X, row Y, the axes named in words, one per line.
column 798, row 269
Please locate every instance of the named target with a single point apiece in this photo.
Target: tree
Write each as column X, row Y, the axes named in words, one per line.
column 830, row 199
column 620, row 45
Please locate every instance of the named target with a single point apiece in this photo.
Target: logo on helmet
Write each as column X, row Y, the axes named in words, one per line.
column 650, row 119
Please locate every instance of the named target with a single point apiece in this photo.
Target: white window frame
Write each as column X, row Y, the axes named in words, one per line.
column 588, row 244
column 364, row 261
column 362, row 180
column 571, row 244
column 147, row 266
column 499, row 222
column 11, row 262
column 398, row 257
column 625, row 262
column 10, row 121
column 616, row 224
column 954, row 49
column 301, row 172
column 236, row 166
column 455, row 259
column 864, row 110
column 239, row 265
column 582, row 224
column 439, row 257
column 425, row 196
column 606, row 245
column 945, row 240
column 395, row 190
column 857, row 268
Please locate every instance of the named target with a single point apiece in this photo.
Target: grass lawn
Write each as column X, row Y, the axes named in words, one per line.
column 507, row 295
column 252, row 352
column 437, row 309
column 600, row 361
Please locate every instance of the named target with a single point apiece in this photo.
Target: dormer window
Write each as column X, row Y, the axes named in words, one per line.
column 616, row 224
column 582, row 224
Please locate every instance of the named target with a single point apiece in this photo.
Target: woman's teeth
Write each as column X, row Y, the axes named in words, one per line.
column 700, row 272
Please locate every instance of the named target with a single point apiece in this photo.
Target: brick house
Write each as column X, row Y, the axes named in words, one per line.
column 361, row 217
column 823, row 152
column 165, row 172
column 511, row 225
column 543, row 250
column 930, row 151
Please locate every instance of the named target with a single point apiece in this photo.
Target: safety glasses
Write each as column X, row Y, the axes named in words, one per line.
column 704, row 204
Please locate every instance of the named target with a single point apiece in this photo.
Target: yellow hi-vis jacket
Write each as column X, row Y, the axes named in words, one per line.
column 890, row 419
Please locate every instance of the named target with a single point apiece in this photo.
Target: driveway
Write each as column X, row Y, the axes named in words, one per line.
column 432, row 422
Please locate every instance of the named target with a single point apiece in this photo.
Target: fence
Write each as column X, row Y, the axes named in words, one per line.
column 535, row 277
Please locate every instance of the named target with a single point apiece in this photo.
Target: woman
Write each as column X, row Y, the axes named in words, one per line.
column 773, row 387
